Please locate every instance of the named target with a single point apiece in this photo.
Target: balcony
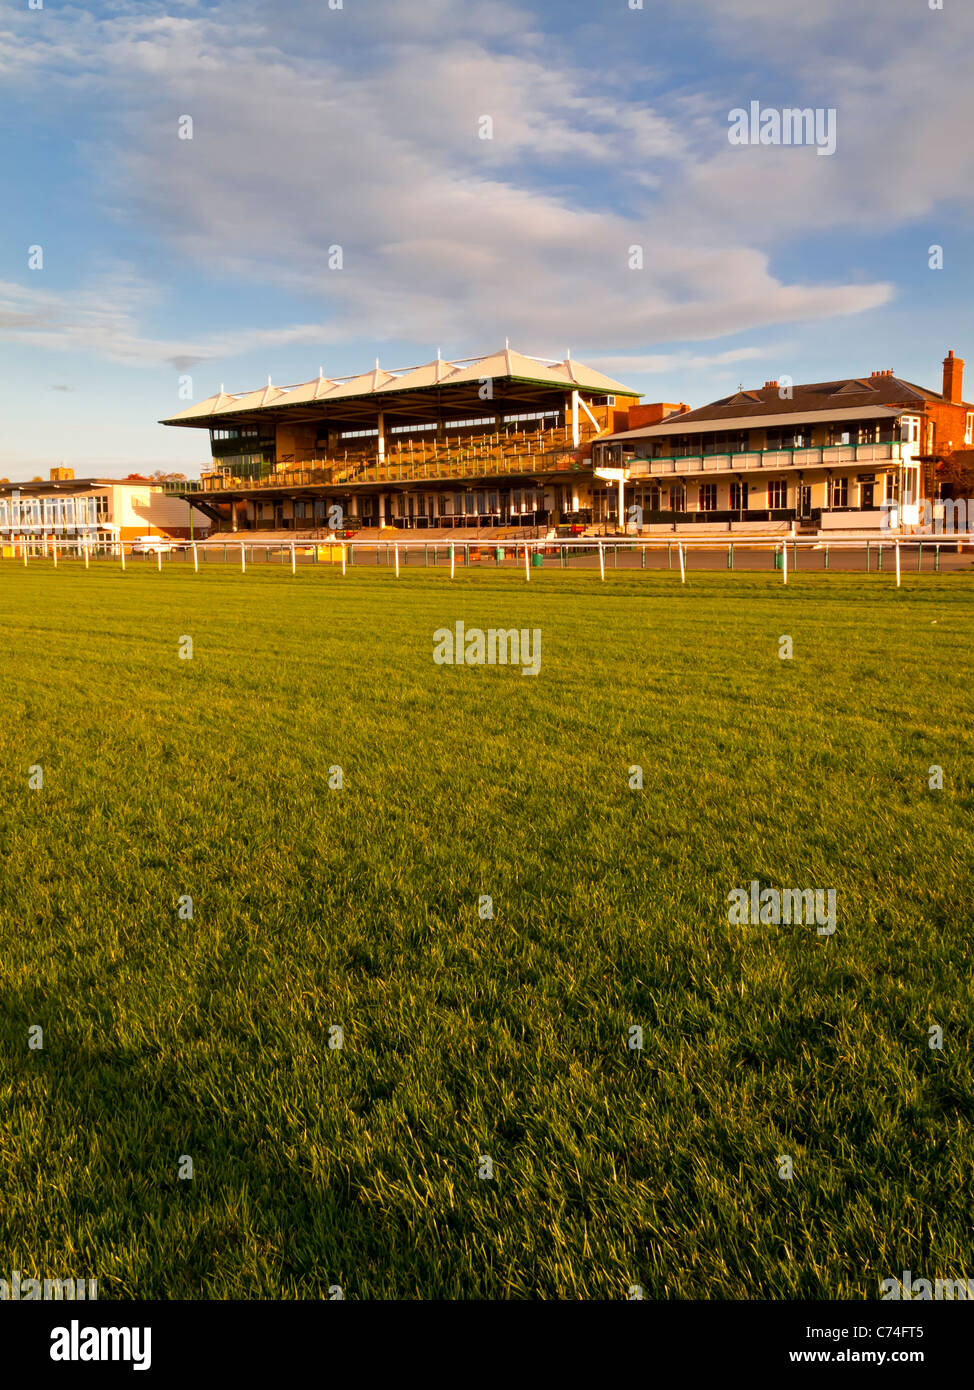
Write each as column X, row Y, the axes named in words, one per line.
column 816, row 456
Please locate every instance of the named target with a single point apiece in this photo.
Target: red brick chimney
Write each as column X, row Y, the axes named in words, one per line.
column 953, row 377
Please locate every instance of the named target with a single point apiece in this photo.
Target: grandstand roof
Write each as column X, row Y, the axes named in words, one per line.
column 379, row 383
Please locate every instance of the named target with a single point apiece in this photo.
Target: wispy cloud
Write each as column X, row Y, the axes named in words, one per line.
column 103, row 318
column 445, row 237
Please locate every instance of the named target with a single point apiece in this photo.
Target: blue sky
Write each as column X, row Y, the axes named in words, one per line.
column 358, row 127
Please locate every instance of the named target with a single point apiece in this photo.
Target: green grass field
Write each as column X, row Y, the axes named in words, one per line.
column 316, row 1166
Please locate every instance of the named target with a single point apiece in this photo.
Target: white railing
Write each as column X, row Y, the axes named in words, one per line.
column 827, row 456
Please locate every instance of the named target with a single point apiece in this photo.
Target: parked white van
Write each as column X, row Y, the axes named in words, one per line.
column 151, row 545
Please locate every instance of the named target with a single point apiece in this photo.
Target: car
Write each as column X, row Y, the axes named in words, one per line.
column 151, row 545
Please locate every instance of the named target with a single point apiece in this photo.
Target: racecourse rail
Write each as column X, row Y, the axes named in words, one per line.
column 791, row 554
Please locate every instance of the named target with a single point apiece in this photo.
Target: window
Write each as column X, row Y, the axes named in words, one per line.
column 246, row 432
column 839, row 492
column 678, row 498
column 534, row 415
column 777, row 494
column 738, row 497
column 910, row 430
column 797, row 437
column 708, row 497
column 969, row 428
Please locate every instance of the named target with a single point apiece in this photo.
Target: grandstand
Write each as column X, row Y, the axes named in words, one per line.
column 494, row 443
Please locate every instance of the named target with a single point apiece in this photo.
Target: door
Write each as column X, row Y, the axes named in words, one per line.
column 805, row 501
column 867, row 492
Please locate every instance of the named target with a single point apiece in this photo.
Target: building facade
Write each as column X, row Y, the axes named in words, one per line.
column 67, row 508
column 835, row 455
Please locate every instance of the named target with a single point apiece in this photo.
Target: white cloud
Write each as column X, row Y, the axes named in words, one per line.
column 102, row 318
column 657, row 362
column 452, row 239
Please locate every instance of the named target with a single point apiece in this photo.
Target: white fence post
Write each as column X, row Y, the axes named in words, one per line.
column 601, row 560
column 196, row 560
column 683, row 572
column 243, row 559
column 452, row 560
column 784, row 561
column 294, row 563
column 897, row 564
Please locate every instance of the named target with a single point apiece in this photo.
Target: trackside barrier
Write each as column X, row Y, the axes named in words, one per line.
column 580, row 553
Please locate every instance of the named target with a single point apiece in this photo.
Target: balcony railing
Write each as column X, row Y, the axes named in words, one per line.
column 401, row 469
column 821, row 456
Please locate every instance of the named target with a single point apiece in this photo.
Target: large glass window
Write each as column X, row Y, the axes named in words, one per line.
column 708, row 497
column 839, row 492
column 777, row 493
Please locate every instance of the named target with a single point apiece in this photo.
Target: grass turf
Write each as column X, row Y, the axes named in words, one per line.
column 316, row 1166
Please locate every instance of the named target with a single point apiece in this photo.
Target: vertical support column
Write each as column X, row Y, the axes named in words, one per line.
column 575, row 419
column 382, row 436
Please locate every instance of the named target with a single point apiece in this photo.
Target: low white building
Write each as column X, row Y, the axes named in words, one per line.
column 99, row 508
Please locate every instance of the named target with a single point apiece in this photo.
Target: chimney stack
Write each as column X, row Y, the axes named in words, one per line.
column 953, row 377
